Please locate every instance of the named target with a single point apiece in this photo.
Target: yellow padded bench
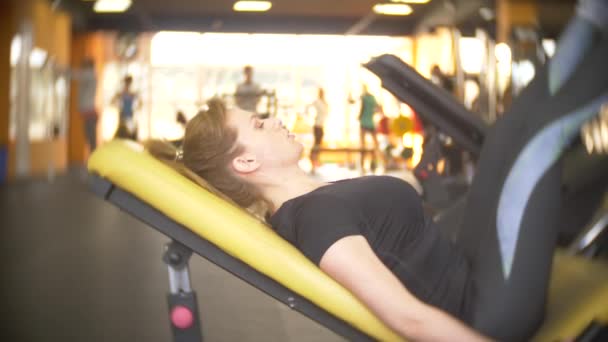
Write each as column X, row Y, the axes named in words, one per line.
column 126, row 175
column 578, row 294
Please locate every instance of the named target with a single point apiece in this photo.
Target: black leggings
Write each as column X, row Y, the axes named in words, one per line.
column 510, row 306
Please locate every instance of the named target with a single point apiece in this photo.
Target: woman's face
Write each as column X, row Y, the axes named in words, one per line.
column 267, row 139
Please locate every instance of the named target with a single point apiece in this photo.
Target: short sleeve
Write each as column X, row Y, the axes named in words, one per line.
column 321, row 221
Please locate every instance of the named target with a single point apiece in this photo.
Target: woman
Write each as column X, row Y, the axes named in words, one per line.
column 369, row 233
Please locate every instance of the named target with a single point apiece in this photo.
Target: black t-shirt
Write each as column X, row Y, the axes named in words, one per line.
column 388, row 213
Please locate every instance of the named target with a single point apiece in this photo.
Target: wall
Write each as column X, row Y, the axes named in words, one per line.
column 6, row 33
column 5, row 69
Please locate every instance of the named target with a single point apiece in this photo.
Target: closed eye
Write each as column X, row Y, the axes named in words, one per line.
column 257, row 122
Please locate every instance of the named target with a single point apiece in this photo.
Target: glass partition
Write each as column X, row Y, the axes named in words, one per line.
column 48, row 95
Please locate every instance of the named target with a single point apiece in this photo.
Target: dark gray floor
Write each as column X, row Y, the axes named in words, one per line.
column 75, row 268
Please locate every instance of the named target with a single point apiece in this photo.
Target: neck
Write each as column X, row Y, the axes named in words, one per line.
column 282, row 185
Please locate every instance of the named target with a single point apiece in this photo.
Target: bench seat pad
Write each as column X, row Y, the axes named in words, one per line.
column 129, row 167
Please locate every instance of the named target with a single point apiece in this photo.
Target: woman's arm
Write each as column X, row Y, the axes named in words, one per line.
column 353, row 263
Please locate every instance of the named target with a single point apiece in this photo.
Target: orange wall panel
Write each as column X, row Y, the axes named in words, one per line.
column 44, row 155
column 52, row 31
column 6, row 36
column 42, row 19
column 77, row 145
column 63, row 35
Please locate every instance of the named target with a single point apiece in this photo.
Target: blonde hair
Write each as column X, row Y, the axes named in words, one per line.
column 208, row 148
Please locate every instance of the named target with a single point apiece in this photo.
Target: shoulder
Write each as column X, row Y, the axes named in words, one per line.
column 342, row 196
column 326, row 200
column 385, row 188
column 320, row 220
column 384, row 181
column 330, row 207
column 345, row 196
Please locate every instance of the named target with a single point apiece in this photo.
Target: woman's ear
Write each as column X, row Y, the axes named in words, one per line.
column 245, row 163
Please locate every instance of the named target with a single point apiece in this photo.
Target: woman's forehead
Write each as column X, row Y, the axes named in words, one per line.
column 238, row 116
column 238, row 119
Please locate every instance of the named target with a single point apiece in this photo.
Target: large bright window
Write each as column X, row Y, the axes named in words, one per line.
column 187, row 68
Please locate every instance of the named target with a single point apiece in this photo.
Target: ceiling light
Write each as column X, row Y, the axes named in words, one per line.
column 411, row 1
column 111, row 6
column 392, row 9
column 252, row 6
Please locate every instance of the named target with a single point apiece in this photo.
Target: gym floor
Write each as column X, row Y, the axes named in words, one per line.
column 78, row 269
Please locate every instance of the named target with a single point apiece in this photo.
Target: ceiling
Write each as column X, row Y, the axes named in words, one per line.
column 285, row 16
column 302, row 16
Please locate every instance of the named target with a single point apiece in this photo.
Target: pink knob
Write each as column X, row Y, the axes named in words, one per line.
column 182, row 317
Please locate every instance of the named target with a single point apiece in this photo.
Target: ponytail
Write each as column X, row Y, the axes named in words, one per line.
column 172, row 156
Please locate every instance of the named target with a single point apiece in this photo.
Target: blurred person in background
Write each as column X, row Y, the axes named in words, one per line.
column 248, row 93
column 369, row 107
column 87, row 89
column 127, row 101
column 321, row 110
column 442, row 80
